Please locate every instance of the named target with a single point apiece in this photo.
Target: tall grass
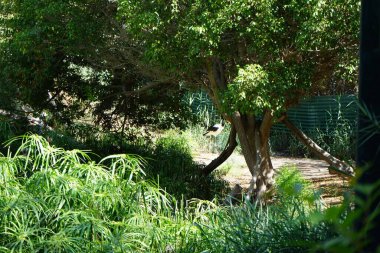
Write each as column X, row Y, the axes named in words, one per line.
column 286, row 225
column 171, row 163
column 205, row 115
column 56, row 200
column 168, row 157
column 53, row 200
column 206, row 144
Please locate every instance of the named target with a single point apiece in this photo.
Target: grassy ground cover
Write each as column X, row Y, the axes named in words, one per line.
column 56, row 200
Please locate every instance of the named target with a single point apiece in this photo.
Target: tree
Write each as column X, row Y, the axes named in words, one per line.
column 67, row 56
column 255, row 58
column 46, row 44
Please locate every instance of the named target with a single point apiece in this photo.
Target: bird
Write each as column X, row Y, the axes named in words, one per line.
column 214, row 130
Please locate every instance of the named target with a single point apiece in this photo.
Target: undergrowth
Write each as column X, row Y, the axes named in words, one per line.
column 57, row 200
column 168, row 157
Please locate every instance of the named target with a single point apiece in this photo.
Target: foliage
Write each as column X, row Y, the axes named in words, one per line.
column 205, row 115
column 6, row 129
column 177, row 173
column 205, row 144
column 43, row 42
column 290, row 184
column 285, row 227
column 71, row 58
column 346, row 217
column 254, row 57
column 168, row 158
column 257, row 88
column 244, row 92
column 59, row 200
column 202, row 108
column 280, row 43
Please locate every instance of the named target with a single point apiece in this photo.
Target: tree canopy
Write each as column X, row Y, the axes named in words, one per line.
column 66, row 56
column 125, row 58
column 44, row 43
column 256, row 58
column 298, row 44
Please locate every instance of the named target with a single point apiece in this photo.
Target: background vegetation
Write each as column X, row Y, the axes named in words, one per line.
column 107, row 92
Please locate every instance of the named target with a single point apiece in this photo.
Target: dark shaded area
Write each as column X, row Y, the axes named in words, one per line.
column 368, row 157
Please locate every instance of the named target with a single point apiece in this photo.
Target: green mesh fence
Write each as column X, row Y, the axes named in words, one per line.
column 319, row 112
column 322, row 112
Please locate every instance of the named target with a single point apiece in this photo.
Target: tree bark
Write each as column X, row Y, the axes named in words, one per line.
column 254, row 140
column 336, row 165
column 262, row 179
column 230, row 147
column 253, row 137
column 247, row 145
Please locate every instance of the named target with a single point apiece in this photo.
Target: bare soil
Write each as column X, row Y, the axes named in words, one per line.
column 331, row 186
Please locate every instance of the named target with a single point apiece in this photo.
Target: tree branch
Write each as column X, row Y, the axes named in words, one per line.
column 336, row 165
column 146, row 87
column 231, row 145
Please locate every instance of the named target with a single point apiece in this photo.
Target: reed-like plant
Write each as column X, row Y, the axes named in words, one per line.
column 54, row 200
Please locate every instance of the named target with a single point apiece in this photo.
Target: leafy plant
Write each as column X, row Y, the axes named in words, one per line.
column 173, row 164
column 284, row 227
column 59, row 200
column 291, row 185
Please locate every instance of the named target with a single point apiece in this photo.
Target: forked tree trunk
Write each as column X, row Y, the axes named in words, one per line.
column 336, row 165
column 253, row 136
column 254, row 140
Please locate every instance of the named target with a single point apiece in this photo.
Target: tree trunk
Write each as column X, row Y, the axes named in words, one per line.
column 367, row 221
column 336, row 165
column 253, row 136
column 230, row 147
column 262, row 180
column 254, row 140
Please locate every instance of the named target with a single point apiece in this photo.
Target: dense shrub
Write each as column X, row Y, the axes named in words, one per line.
column 173, row 163
column 54, row 200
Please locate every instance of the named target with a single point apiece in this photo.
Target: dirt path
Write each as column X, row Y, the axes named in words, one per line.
column 331, row 186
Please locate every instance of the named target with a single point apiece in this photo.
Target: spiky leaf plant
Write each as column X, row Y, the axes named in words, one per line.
column 54, row 200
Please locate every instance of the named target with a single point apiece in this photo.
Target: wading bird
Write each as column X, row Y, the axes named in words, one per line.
column 214, row 130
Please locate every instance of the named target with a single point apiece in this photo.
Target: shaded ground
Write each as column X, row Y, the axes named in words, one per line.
column 331, row 185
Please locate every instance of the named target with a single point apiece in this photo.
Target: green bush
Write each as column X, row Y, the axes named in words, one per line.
column 169, row 158
column 286, row 226
column 53, row 200
column 173, row 164
column 291, row 185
